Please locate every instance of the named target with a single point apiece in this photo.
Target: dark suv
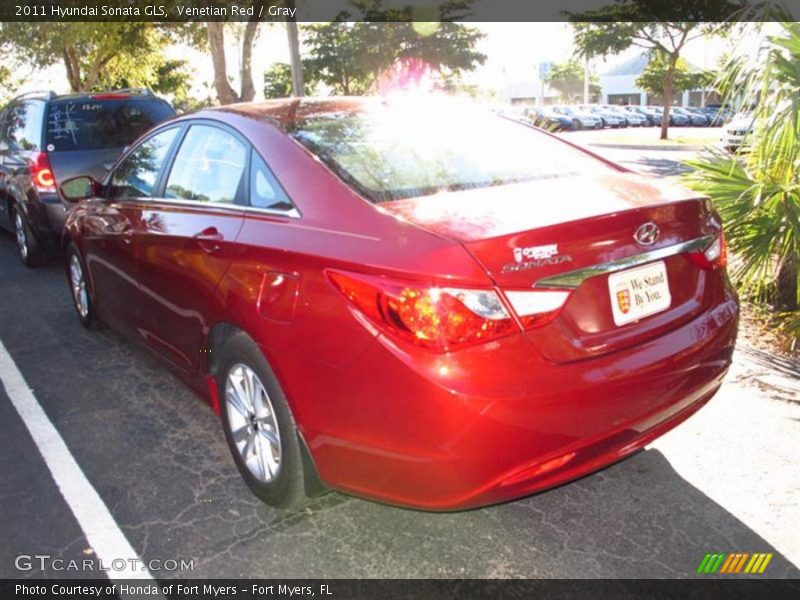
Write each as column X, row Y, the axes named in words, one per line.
column 46, row 139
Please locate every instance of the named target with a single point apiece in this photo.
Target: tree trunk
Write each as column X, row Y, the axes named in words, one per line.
column 667, row 92
column 294, row 54
column 250, row 35
column 73, row 67
column 93, row 74
column 787, row 283
column 216, row 41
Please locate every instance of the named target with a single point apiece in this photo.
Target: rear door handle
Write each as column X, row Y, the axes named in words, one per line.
column 210, row 239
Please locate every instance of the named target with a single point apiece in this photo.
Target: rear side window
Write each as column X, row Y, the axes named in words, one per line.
column 137, row 175
column 23, row 125
column 209, row 167
column 265, row 191
column 101, row 124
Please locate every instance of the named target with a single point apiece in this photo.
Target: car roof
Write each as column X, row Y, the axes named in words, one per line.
column 121, row 94
column 287, row 111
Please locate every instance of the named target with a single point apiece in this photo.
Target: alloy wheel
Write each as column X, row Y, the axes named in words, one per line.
column 253, row 424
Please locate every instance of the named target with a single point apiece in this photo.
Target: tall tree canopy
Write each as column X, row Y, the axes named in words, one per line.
column 94, row 55
column 625, row 23
column 8, row 85
column 684, row 78
column 567, row 79
column 278, row 81
column 349, row 57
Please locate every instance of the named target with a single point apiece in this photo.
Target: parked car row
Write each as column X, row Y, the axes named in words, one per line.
column 596, row 116
column 374, row 297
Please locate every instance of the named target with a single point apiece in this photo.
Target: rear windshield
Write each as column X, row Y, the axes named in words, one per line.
column 99, row 124
column 389, row 154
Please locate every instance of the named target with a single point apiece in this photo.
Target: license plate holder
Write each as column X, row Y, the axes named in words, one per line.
column 639, row 292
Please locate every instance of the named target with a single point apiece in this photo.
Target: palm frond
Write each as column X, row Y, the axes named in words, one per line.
column 758, row 194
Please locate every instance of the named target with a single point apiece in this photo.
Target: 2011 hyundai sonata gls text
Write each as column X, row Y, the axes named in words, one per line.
column 418, row 303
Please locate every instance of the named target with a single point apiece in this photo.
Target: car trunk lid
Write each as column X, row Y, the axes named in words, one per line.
column 530, row 235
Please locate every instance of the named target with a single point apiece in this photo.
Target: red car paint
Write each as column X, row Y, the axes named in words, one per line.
column 385, row 418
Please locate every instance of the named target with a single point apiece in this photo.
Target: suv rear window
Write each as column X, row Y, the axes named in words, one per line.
column 88, row 124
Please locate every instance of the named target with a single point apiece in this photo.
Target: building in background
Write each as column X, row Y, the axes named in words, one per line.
column 530, row 92
column 619, row 86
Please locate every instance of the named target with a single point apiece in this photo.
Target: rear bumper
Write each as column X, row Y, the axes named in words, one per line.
column 47, row 216
column 732, row 140
column 497, row 422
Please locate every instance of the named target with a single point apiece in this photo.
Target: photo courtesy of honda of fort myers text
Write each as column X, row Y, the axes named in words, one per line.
column 366, row 298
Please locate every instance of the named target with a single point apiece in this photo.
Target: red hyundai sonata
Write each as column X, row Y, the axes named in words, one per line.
column 415, row 302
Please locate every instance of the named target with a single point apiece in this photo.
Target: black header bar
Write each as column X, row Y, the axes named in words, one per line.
column 182, row 11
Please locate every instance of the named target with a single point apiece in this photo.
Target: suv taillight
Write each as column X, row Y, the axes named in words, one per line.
column 42, row 174
column 440, row 319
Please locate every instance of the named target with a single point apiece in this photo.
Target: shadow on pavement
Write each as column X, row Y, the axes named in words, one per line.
column 783, row 365
column 661, row 167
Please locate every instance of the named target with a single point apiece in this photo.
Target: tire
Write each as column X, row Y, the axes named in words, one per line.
column 79, row 288
column 577, row 125
column 256, row 424
column 28, row 249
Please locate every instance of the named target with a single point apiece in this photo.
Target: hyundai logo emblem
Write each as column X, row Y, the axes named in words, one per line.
column 647, row 234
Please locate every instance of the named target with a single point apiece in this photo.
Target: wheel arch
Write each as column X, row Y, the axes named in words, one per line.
column 219, row 333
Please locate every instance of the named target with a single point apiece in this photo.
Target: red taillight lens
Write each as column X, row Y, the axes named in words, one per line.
column 715, row 256
column 437, row 318
column 41, row 173
column 536, row 308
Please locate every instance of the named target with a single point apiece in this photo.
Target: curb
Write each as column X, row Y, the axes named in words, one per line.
column 684, row 148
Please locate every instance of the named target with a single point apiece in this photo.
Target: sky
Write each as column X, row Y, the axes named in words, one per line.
column 513, row 52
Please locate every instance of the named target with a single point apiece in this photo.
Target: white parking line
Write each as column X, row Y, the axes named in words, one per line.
column 104, row 535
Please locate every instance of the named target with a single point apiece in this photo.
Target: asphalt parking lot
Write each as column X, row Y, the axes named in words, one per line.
column 640, row 149
column 725, row 481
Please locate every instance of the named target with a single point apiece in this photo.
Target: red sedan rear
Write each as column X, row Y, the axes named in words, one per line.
column 418, row 303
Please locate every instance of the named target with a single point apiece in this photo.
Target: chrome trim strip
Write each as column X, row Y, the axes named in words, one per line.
column 292, row 213
column 572, row 279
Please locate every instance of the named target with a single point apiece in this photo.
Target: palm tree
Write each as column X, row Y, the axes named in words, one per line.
column 758, row 193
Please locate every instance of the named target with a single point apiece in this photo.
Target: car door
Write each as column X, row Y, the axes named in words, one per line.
column 5, row 217
column 187, row 239
column 109, row 227
column 16, row 153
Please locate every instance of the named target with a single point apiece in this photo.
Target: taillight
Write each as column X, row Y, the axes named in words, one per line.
column 437, row 318
column 714, row 256
column 41, row 173
column 536, row 308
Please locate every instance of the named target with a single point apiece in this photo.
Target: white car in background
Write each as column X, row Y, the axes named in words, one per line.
column 734, row 134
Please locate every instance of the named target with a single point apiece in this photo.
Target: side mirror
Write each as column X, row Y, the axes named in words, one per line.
column 80, row 188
